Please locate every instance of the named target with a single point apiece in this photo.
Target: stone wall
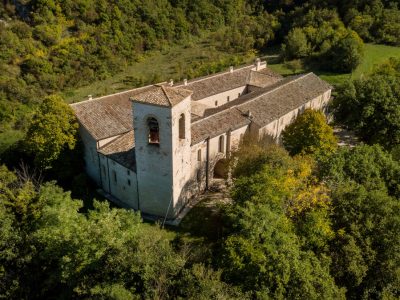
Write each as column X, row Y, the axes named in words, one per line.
column 119, row 181
column 90, row 155
column 181, row 154
column 222, row 98
column 275, row 128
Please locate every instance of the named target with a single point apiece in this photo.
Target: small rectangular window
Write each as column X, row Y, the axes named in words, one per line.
column 221, row 144
column 228, row 98
column 114, row 176
column 216, row 103
column 129, row 182
column 199, row 155
column 128, row 172
column 238, row 95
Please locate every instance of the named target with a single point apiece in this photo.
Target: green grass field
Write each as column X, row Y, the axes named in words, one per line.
column 374, row 55
column 172, row 63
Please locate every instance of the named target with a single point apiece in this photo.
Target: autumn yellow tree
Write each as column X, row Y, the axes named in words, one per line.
column 309, row 134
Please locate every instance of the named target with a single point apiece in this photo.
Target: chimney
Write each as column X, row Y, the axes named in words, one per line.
column 231, row 69
column 185, row 81
column 258, row 63
column 171, row 82
column 90, row 97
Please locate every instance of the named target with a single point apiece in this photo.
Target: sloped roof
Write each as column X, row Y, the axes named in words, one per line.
column 274, row 102
column 265, row 105
column 107, row 116
column 112, row 115
column 260, row 79
column 218, row 83
column 219, row 123
column 162, row 95
column 198, row 109
column 121, row 150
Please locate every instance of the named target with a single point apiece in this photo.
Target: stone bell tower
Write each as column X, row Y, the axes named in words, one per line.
column 162, row 148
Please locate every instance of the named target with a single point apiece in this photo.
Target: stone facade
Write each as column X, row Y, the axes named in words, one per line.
column 155, row 147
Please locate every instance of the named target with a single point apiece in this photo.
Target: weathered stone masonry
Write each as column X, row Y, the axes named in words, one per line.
column 151, row 147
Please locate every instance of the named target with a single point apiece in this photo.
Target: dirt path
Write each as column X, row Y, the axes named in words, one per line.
column 346, row 137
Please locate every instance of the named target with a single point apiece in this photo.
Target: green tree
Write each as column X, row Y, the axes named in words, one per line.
column 262, row 251
column 365, row 253
column 264, row 256
column 369, row 166
column 346, row 54
column 103, row 253
column 371, row 107
column 309, row 134
column 296, row 45
column 365, row 209
column 53, row 128
column 294, row 65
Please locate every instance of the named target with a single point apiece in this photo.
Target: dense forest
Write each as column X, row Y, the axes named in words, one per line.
column 307, row 219
column 48, row 46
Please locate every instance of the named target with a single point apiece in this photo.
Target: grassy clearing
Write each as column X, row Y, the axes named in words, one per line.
column 374, row 55
column 174, row 62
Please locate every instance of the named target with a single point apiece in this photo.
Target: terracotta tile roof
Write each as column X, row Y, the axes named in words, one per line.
column 107, row 116
column 162, row 95
column 274, row 102
column 122, row 150
column 218, row 83
column 216, row 124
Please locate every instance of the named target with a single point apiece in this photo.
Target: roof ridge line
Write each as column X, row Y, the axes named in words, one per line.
column 215, row 75
column 166, row 95
column 130, row 90
column 276, row 88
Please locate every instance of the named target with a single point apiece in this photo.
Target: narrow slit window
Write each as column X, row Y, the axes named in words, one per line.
column 216, row 103
column 114, row 176
column 221, row 144
column 199, row 155
column 182, row 126
column 154, row 131
column 129, row 182
column 228, row 98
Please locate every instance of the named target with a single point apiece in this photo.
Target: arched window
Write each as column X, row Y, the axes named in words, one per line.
column 221, row 144
column 154, row 131
column 182, row 126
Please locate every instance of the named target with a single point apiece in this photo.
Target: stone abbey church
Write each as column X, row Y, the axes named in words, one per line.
column 155, row 147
